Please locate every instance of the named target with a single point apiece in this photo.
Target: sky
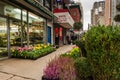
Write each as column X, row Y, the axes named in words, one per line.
column 87, row 6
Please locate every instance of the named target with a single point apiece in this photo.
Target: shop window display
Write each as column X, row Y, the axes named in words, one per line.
column 18, row 30
column 36, row 29
column 3, row 37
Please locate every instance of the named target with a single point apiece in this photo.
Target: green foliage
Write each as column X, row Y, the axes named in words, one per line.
column 74, row 53
column 118, row 7
column 1, row 41
column 34, row 54
column 83, row 69
column 117, row 18
column 103, row 52
column 78, row 25
column 3, row 53
column 81, row 44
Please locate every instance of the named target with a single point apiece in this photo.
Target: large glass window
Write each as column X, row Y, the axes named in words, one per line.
column 36, row 29
column 18, row 31
column 15, row 33
column 3, row 37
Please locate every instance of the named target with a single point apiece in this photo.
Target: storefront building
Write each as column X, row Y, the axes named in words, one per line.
column 63, row 25
column 23, row 22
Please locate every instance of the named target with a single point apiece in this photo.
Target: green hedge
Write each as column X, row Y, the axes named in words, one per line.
column 83, row 70
column 103, row 52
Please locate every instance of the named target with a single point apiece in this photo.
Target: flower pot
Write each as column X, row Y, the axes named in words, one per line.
column 44, row 78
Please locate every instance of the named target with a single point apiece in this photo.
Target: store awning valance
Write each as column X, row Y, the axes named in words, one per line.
column 64, row 18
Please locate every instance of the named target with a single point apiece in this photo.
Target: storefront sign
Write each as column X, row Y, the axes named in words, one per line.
column 64, row 17
column 8, row 11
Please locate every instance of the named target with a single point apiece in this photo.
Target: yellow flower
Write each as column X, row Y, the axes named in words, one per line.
column 12, row 50
column 45, row 46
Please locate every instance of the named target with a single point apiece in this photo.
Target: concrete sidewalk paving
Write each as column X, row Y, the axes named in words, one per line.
column 22, row 69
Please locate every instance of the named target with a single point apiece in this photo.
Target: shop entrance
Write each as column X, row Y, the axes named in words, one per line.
column 49, row 34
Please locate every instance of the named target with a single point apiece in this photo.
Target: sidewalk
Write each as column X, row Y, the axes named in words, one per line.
column 21, row 69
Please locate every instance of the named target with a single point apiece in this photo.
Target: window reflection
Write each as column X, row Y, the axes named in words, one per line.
column 15, row 33
column 36, row 29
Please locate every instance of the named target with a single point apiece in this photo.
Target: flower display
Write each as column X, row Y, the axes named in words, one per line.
column 32, row 52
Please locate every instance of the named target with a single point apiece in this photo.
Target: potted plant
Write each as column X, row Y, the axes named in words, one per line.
column 77, row 25
column 61, row 68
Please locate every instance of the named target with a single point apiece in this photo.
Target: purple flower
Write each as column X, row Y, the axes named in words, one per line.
column 61, row 67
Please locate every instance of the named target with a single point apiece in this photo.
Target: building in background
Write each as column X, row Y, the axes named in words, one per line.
column 111, row 12
column 64, row 22
column 97, row 13
column 107, row 12
column 76, row 11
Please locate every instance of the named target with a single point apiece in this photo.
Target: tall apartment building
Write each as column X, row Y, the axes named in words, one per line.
column 111, row 12
column 97, row 13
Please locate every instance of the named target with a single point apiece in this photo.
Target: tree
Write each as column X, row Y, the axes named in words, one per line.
column 117, row 18
column 77, row 25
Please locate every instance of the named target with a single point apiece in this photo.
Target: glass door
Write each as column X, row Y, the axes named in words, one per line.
column 3, row 37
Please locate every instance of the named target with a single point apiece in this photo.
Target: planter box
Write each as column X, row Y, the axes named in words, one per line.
column 44, row 78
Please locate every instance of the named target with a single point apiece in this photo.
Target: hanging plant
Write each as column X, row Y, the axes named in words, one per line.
column 117, row 18
column 77, row 25
column 118, row 7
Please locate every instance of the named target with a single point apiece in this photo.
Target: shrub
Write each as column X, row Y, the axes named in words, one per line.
column 103, row 52
column 83, row 69
column 62, row 68
column 77, row 25
column 74, row 53
column 81, row 44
